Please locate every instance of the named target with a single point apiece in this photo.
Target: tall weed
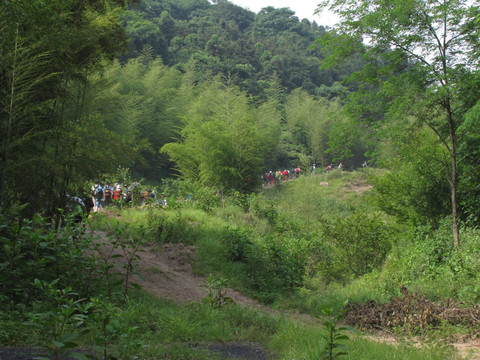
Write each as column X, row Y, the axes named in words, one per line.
column 35, row 249
column 171, row 227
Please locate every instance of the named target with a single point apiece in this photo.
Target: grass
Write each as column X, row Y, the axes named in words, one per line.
column 301, row 204
column 168, row 330
column 307, row 199
column 295, row 340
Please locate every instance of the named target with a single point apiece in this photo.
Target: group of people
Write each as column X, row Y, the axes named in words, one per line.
column 340, row 167
column 279, row 176
column 330, row 167
column 104, row 195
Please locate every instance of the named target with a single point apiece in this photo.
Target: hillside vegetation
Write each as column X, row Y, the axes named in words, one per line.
column 197, row 101
column 307, row 245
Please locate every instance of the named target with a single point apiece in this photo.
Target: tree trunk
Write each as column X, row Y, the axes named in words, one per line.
column 453, row 180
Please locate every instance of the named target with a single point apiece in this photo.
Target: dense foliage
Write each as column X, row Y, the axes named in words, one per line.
column 424, row 58
column 218, row 96
column 50, row 146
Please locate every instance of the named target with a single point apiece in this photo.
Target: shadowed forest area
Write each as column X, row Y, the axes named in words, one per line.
column 372, row 128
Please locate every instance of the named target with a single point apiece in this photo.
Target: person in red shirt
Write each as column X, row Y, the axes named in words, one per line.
column 117, row 194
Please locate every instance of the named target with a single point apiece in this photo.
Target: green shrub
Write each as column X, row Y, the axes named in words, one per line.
column 360, row 243
column 206, row 199
column 264, row 208
column 237, row 242
column 13, row 328
column 335, row 334
column 239, row 199
column 36, row 250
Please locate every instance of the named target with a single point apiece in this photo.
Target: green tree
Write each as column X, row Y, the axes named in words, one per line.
column 437, row 42
column 414, row 190
column 220, row 146
column 140, row 100
column 143, row 32
column 268, row 124
column 310, row 122
column 47, row 51
column 469, row 153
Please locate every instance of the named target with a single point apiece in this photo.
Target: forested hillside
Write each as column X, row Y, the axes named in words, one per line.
column 90, row 88
column 198, row 100
column 216, row 93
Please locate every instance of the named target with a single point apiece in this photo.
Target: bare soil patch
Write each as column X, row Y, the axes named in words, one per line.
column 359, row 187
column 167, row 272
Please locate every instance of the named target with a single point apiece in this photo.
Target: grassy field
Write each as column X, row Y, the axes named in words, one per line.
column 281, row 233
column 302, row 248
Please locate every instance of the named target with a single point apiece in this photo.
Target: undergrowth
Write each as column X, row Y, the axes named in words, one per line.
column 303, row 245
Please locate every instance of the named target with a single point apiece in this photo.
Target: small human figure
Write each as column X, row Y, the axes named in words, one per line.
column 127, row 196
column 94, row 197
column 99, row 199
column 272, row 177
column 313, row 169
column 117, row 194
column 107, row 195
column 364, row 165
column 77, row 208
column 278, row 177
column 163, row 200
column 340, row 166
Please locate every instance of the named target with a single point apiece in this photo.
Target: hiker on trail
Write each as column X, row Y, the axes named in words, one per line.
column 313, row 169
column 107, row 195
column 149, row 196
column 163, row 200
column 340, row 166
column 127, row 196
column 278, row 177
column 117, row 194
column 99, row 198
column 329, row 168
column 297, row 171
column 135, row 193
column 78, row 209
column 88, row 202
column 364, row 165
column 93, row 190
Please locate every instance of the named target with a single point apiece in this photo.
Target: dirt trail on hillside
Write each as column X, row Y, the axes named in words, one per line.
column 167, row 272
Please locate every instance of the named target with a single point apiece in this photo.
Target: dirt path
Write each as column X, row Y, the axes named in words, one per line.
column 167, row 273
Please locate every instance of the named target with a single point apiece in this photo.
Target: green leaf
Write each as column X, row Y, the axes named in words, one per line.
column 136, row 286
column 139, row 275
